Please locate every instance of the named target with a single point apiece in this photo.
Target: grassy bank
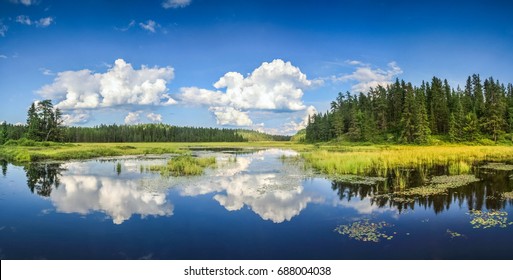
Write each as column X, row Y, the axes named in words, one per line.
column 37, row 151
column 329, row 158
column 381, row 160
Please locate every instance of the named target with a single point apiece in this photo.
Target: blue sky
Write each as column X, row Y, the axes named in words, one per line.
column 254, row 64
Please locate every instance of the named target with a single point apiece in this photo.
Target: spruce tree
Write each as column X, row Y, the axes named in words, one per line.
column 407, row 123
column 421, row 119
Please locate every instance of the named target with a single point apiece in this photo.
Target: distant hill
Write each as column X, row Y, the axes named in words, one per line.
column 252, row 136
column 300, row 136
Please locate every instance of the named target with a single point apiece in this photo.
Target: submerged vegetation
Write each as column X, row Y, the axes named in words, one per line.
column 365, row 231
column 184, row 165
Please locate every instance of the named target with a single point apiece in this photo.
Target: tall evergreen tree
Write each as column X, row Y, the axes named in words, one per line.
column 408, row 127
column 493, row 121
column 3, row 133
column 421, row 119
column 479, row 104
column 44, row 122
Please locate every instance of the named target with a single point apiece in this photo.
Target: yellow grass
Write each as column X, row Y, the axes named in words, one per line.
column 383, row 160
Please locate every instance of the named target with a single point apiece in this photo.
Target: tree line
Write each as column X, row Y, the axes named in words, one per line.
column 404, row 113
column 149, row 133
column 45, row 123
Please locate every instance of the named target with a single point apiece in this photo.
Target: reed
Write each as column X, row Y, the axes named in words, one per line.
column 184, row 165
column 387, row 159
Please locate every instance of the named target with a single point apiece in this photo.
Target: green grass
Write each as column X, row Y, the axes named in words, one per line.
column 184, row 165
column 382, row 160
column 36, row 151
column 328, row 158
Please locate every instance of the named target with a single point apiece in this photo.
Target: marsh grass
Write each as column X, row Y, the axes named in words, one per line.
column 381, row 161
column 184, row 165
column 23, row 150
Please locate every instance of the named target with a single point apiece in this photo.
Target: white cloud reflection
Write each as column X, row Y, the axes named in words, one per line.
column 117, row 198
column 271, row 189
column 259, row 181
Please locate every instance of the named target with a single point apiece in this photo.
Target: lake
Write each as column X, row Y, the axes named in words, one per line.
column 257, row 204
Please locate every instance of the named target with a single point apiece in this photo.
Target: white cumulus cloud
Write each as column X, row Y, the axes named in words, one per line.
column 293, row 126
column 275, row 86
column 149, row 25
column 120, row 85
column 75, row 117
column 366, row 77
column 231, row 116
column 174, row 4
column 154, row 117
column 133, row 118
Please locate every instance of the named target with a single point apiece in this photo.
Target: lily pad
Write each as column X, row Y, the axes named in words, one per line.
column 454, row 234
column 507, row 195
column 440, row 185
column 498, row 166
column 365, row 231
column 490, row 219
column 357, row 180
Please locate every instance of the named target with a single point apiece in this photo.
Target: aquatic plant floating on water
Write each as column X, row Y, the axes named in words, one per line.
column 440, row 185
column 507, row 195
column 365, row 231
column 498, row 166
column 454, row 234
column 481, row 219
column 356, row 180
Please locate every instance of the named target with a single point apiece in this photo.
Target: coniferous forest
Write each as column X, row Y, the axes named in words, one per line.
column 128, row 133
column 403, row 113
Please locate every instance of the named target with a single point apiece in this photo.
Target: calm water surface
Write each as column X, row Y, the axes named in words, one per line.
column 253, row 206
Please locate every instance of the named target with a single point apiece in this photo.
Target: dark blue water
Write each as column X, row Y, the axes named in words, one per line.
column 255, row 207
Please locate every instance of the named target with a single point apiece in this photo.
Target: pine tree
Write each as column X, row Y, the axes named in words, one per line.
column 479, row 105
column 33, row 123
column 43, row 122
column 493, row 121
column 440, row 110
column 3, row 133
column 452, row 129
column 408, row 127
column 355, row 128
column 421, row 119
column 471, row 127
column 467, row 101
